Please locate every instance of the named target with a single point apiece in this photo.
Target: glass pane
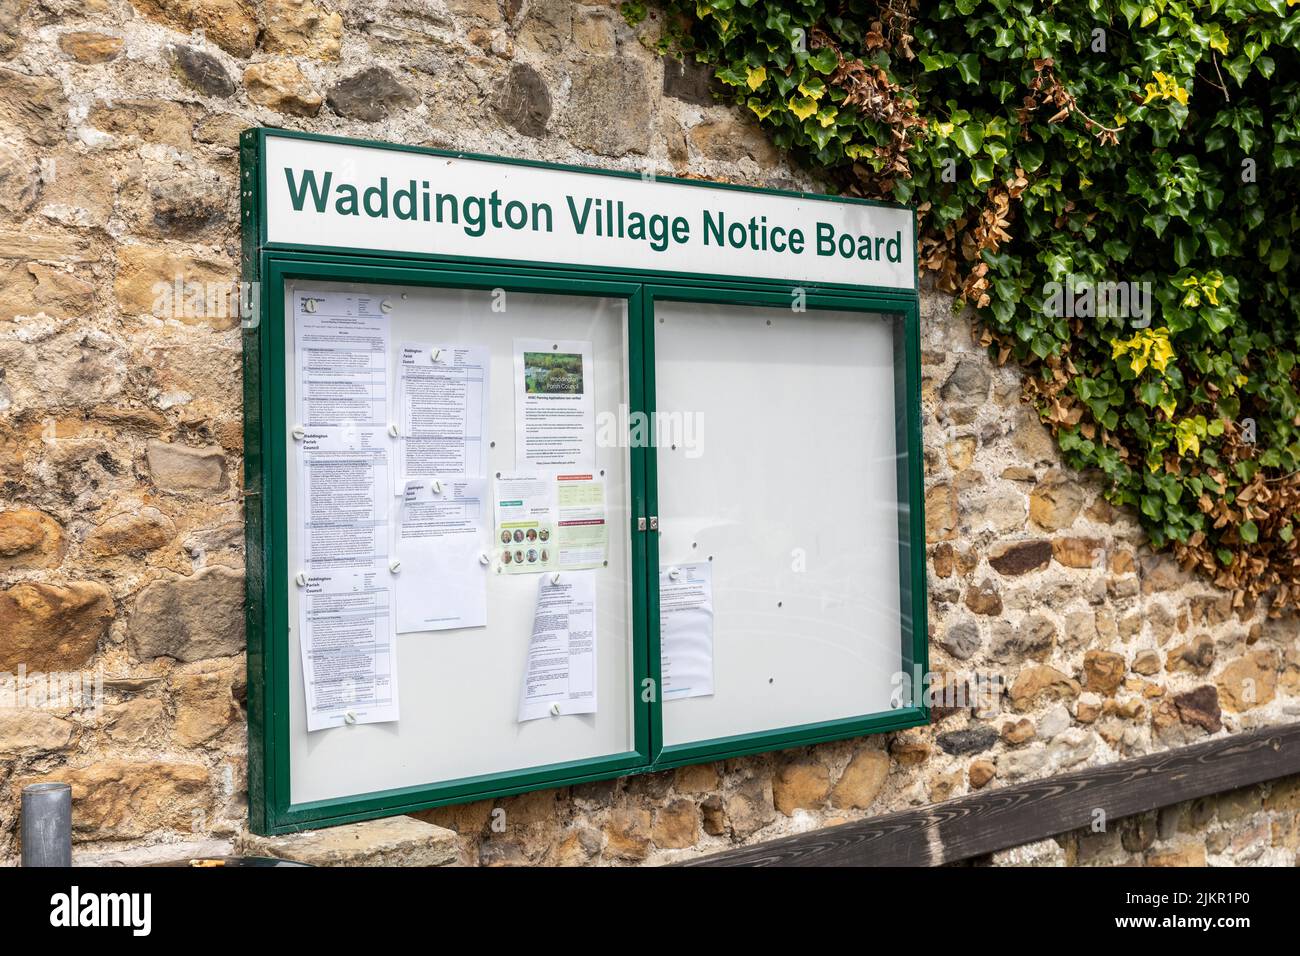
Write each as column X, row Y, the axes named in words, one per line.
column 459, row 689
column 780, row 473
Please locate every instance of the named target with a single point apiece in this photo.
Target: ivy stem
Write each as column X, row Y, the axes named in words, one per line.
column 1222, row 86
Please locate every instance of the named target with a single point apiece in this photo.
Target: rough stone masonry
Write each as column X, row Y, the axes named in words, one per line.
column 121, row 539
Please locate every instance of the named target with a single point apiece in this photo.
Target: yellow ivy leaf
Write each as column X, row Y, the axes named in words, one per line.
column 827, row 116
column 1168, row 404
column 1161, row 350
column 1186, row 433
column 755, row 76
column 761, row 110
column 1166, row 88
column 814, row 92
column 802, row 107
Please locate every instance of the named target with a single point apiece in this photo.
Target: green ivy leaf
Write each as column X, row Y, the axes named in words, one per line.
column 968, row 139
column 968, row 67
column 824, row 60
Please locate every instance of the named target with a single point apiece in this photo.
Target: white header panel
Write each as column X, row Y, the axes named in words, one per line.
column 386, row 200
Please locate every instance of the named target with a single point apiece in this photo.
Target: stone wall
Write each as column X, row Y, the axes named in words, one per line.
column 121, row 541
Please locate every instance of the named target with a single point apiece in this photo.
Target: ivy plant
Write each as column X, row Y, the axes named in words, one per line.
column 1112, row 186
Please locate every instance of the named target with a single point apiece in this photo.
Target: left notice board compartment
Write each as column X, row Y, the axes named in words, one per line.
column 394, row 406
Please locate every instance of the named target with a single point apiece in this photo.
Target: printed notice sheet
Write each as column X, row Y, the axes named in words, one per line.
column 349, row 648
column 341, row 341
column 442, row 584
column 443, row 405
column 525, row 522
column 555, row 418
column 347, row 630
column 561, row 674
column 581, row 535
column 686, row 630
column 344, row 500
column 546, row 523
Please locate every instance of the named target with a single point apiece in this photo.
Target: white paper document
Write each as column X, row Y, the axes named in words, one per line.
column 342, row 353
column 349, row 648
column 561, row 670
column 555, row 418
column 344, row 503
column 443, row 405
column 686, row 630
column 441, row 583
column 346, row 629
column 525, row 522
column 581, row 534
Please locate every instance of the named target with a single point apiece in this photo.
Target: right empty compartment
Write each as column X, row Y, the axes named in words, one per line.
column 778, row 466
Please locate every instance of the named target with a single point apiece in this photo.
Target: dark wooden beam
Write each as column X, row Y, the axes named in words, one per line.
column 1023, row 813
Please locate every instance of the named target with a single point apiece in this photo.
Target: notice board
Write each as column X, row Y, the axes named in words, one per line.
column 485, row 396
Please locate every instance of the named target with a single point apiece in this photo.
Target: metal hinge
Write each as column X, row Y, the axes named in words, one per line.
column 654, row 522
column 640, row 524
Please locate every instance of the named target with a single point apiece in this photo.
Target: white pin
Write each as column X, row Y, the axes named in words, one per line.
column 350, row 716
column 483, row 558
column 301, row 579
column 555, row 710
column 385, row 307
column 392, row 430
column 434, row 355
column 555, row 578
column 437, row 487
column 395, row 565
column 299, row 433
column 675, row 574
column 309, row 305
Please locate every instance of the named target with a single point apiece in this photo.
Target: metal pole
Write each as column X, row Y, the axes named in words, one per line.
column 47, row 824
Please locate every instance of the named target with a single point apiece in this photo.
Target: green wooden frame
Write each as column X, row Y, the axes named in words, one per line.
column 267, row 266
